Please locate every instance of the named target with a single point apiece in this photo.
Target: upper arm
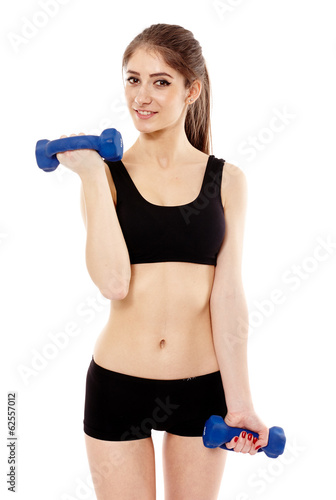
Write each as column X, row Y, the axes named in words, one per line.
column 228, row 271
column 112, row 189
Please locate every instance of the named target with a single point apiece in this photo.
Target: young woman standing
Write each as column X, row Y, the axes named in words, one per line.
column 164, row 243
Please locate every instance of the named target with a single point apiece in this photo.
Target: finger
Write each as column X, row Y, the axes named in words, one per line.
column 248, row 443
column 62, row 136
column 260, row 444
column 253, row 450
column 81, row 133
column 241, row 442
column 231, row 444
column 263, row 438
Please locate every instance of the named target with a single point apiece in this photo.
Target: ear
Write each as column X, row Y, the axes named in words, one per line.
column 194, row 91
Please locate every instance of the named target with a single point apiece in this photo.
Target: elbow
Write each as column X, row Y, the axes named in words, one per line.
column 228, row 302
column 116, row 289
column 111, row 293
column 230, row 294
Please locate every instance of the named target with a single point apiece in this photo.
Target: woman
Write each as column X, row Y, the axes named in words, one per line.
column 173, row 351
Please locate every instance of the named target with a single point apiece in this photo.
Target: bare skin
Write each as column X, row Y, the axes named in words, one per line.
column 160, row 323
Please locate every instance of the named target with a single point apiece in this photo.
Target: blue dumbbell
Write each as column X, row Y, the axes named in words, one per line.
column 216, row 432
column 109, row 145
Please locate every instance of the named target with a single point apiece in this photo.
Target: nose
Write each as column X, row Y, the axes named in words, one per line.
column 142, row 97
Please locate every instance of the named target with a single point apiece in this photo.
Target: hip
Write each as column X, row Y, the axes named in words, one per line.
column 124, row 407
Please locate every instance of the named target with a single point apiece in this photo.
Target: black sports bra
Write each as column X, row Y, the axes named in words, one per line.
column 192, row 232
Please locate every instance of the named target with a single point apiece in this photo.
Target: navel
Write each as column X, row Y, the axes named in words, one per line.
column 162, row 343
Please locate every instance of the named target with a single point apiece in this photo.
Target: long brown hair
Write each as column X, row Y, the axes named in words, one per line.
column 182, row 52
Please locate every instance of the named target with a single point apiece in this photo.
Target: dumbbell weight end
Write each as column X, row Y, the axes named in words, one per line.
column 45, row 163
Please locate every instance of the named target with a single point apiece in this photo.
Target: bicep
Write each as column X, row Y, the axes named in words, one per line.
column 228, row 271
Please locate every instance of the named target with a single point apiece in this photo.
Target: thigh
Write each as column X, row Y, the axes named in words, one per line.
column 191, row 471
column 122, row 469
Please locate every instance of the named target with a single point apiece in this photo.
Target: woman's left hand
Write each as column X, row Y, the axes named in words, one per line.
column 247, row 443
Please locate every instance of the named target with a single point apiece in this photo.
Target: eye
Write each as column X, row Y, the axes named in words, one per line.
column 165, row 83
column 131, row 78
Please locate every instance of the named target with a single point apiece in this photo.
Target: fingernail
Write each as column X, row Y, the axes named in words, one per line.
column 249, row 437
column 243, row 434
column 257, row 447
column 255, row 440
column 236, row 439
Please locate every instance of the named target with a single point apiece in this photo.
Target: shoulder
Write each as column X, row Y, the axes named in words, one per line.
column 234, row 185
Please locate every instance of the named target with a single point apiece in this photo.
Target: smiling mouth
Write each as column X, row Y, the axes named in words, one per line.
column 145, row 113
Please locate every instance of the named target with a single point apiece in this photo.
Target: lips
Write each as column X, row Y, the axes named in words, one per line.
column 144, row 111
column 145, row 116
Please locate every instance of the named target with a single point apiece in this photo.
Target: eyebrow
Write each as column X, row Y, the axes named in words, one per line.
column 153, row 74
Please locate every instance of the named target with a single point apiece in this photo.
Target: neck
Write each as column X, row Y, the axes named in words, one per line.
column 164, row 148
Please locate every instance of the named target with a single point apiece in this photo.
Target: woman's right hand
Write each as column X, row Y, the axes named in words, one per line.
column 81, row 161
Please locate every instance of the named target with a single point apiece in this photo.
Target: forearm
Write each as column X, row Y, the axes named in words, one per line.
column 229, row 318
column 107, row 257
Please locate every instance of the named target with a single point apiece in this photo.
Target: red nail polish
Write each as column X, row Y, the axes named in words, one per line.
column 255, row 440
column 236, row 439
column 249, row 437
column 243, row 434
column 257, row 447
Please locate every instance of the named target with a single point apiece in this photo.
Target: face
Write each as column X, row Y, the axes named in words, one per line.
column 151, row 85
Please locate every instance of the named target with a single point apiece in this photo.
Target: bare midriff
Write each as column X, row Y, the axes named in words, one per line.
column 162, row 328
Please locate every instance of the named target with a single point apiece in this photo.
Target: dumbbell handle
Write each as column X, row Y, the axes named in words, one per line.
column 72, row 143
column 217, row 433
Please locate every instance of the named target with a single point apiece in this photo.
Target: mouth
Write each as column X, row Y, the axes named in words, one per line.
column 145, row 113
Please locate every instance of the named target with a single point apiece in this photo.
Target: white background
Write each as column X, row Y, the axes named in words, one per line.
column 265, row 59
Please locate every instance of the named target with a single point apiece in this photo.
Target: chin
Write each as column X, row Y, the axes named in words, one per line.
column 146, row 127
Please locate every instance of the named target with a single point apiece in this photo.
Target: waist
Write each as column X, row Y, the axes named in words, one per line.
column 122, row 377
column 137, row 348
column 162, row 329
column 171, row 357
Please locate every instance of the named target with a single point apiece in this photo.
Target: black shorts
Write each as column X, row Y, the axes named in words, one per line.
column 120, row 407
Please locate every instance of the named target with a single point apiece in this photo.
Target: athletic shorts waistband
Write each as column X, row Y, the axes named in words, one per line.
column 133, row 378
